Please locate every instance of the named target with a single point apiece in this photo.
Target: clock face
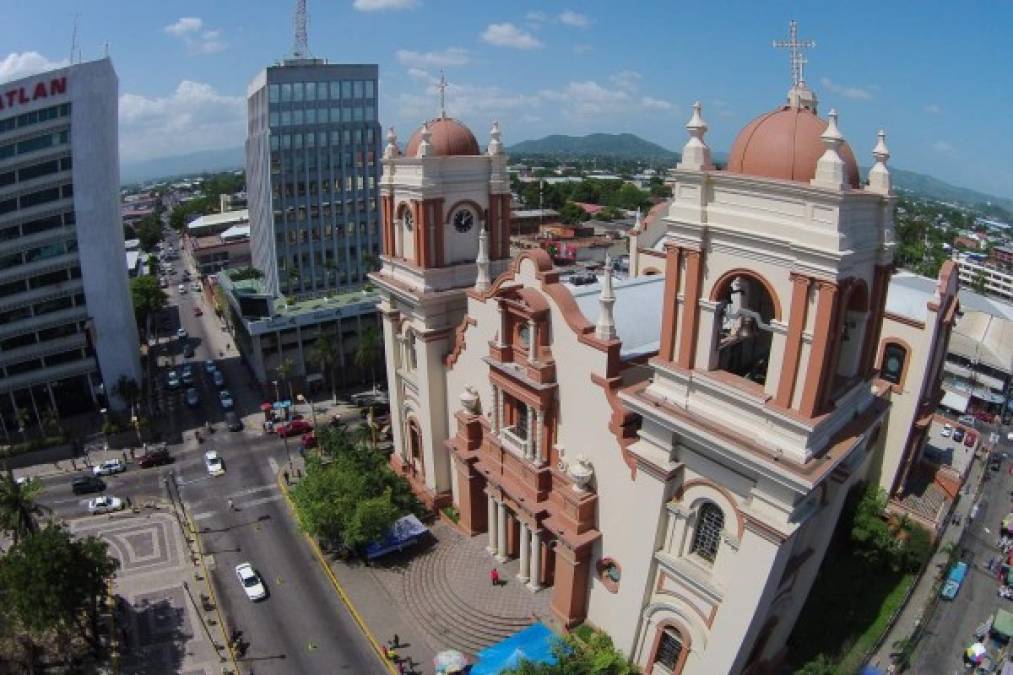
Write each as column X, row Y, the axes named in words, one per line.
column 463, row 220
column 408, row 220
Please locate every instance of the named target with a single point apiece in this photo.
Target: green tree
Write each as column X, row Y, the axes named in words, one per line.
column 127, row 389
column 591, row 654
column 18, row 507
column 571, row 214
column 54, row 585
column 821, row 665
column 325, row 356
column 149, row 231
column 367, row 351
column 283, row 371
column 147, row 297
column 978, row 283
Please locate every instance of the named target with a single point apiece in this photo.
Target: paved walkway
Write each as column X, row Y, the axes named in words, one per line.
column 161, row 629
column 912, row 616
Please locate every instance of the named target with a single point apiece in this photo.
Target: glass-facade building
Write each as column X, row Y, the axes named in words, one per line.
column 67, row 328
column 312, row 166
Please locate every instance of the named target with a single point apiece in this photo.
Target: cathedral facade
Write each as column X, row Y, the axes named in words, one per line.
column 667, row 456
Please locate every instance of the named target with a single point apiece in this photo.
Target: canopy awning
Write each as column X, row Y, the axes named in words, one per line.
column 1003, row 624
column 534, row 643
column 955, row 401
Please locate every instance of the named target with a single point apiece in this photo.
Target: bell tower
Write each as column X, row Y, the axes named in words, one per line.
column 445, row 209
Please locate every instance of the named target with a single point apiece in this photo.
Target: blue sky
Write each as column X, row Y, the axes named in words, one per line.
column 938, row 76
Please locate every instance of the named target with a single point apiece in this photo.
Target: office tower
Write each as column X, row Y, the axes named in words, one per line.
column 67, row 328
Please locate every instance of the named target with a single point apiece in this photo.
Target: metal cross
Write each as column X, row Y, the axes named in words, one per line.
column 442, row 86
column 795, row 50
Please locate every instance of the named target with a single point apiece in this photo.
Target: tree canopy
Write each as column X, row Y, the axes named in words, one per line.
column 147, row 297
column 590, row 653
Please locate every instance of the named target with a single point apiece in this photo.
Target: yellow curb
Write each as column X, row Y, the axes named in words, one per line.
column 211, row 591
column 380, row 654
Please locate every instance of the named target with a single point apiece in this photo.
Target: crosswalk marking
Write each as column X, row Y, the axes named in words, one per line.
column 250, row 491
column 204, row 515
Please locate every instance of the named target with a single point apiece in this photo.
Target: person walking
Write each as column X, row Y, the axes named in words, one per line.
column 494, row 576
column 232, row 505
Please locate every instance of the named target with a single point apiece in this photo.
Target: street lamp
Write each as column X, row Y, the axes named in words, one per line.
column 313, row 411
column 277, row 395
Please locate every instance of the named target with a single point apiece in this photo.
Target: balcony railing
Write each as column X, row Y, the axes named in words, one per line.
column 516, row 439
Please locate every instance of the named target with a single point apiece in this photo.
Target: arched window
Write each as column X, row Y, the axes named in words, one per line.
column 670, row 649
column 710, row 520
column 892, row 367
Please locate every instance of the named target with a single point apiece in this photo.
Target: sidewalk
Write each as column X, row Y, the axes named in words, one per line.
column 913, row 614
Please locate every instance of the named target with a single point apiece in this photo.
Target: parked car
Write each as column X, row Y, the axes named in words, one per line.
column 996, row 462
column 293, row 428
column 182, row 288
column 197, row 311
column 155, row 458
column 967, row 419
column 209, row 366
column 104, row 504
column 232, row 421
column 218, row 378
column 947, row 430
column 84, row 484
column 250, row 581
column 187, row 373
column 188, row 352
column 192, row 397
column 214, row 463
column 181, row 333
column 173, row 379
column 986, row 417
column 958, row 435
column 109, row 467
column 195, row 287
column 970, row 438
column 225, row 398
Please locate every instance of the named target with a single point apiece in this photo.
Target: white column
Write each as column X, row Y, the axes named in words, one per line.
column 491, row 514
column 529, row 450
column 536, row 451
column 522, row 573
column 536, row 560
column 501, row 534
column 532, row 340
column 496, row 411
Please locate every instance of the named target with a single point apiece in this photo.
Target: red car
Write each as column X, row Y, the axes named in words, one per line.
column 970, row 438
column 309, row 440
column 197, row 311
column 293, row 428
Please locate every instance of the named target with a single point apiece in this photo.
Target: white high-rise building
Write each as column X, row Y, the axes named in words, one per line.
column 67, row 327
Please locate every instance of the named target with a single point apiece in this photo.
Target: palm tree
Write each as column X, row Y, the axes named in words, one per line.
column 284, row 371
column 22, row 419
column 18, row 506
column 367, row 351
column 325, row 356
column 126, row 389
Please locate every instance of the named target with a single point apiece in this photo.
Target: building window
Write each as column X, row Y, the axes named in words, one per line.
column 710, row 521
column 408, row 222
column 892, row 368
column 670, row 649
column 609, row 573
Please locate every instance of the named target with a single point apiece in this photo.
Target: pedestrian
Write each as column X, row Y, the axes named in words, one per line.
column 494, row 576
column 284, row 474
column 400, row 667
column 396, row 642
column 232, row 505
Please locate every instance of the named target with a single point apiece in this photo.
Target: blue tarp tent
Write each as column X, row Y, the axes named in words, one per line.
column 404, row 533
column 871, row 670
column 534, row 643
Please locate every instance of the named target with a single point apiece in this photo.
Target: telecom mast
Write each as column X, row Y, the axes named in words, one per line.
column 301, row 48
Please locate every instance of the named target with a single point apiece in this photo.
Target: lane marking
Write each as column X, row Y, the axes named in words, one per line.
column 250, row 491
column 258, row 502
column 273, row 463
column 204, row 515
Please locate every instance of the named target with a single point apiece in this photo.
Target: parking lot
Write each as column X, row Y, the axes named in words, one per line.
column 947, row 444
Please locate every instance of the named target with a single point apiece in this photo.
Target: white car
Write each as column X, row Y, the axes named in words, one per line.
column 104, row 504
column 214, row 463
column 226, row 399
column 966, row 419
column 250, row 581
column 195, row 287
column 182, row 288
column 947, row 430
column 109, row 467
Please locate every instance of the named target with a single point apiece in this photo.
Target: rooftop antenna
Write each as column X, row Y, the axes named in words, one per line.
column 73, row 38
column 301, row 48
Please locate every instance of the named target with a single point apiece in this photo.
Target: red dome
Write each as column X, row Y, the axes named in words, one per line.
column 785, row 144
column 449, row 137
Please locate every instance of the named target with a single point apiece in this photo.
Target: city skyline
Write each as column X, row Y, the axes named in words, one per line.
column 559, row 68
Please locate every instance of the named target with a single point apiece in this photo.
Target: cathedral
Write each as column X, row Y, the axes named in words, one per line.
column 667, row 455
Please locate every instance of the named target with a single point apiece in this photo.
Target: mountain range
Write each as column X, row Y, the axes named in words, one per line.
column 615, row 146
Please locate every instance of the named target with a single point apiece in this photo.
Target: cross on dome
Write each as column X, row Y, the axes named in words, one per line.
column 796, row 55
column 442, row 86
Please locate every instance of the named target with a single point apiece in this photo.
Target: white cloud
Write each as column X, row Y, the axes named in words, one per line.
column 934, row 109
column 452, row 56
column 588, row 99
column 380, row 5
column 942, row 146
column 571, row 18
column 184, row 26
column 509, row 35
column 190, row 30
column 463, row 101
column 581, row 49
column 536, row 17
column 652, row 103
column 194, row 117
column 845, row 90
column 421, row 75
column 22, row 64
column 626, row 79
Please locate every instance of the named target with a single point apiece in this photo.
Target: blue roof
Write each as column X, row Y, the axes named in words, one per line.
column 637, row 311
column 534, row 643
column 403, row 532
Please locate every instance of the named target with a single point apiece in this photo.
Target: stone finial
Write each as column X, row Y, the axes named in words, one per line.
column 696, row 154
column 495, row 144
column 879, row 175
column 605, row 328
column 638, row 226
column 391, row 151
column 470, row 401
column 581, row 472
column 831, row 171
column 425, row 147
column 482, row 280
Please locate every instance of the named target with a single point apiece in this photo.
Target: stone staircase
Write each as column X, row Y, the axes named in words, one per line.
column 447, row 591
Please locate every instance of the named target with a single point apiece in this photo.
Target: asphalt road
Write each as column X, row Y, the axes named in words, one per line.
column 301, row 627
column 951, row 628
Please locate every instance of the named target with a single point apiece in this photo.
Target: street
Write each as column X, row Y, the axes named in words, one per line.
column 301, row 627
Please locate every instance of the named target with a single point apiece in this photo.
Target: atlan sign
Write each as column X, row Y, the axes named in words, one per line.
column 29, row 93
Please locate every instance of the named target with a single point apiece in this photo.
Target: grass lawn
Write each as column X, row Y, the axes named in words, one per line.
column 847, row 611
